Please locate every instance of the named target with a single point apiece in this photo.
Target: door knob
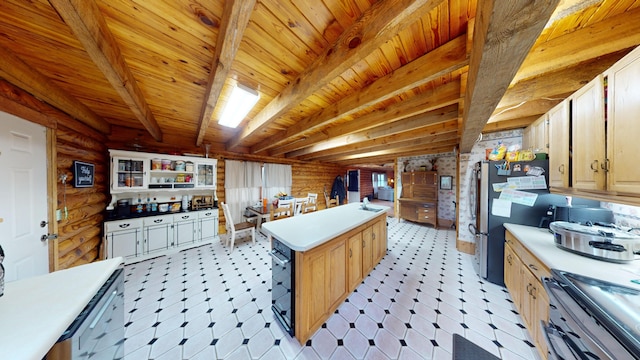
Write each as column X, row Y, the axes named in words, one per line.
column 44, row 238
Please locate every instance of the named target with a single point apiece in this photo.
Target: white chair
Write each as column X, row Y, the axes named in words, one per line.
column 313, row 201
column 239, row 228
column 299, row 205
column 289, row 202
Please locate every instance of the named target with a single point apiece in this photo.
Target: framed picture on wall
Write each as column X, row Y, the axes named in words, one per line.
column 82, row 174
column 445, row 182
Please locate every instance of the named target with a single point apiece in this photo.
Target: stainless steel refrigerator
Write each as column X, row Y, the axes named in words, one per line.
column 490, row 215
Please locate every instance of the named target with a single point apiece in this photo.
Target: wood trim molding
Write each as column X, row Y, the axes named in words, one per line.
column 465, row 247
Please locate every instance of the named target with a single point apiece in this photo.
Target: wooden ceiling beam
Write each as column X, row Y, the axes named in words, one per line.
column 605, row 37
column 26, row 77
column 441, row 96
column 518, row 123
column 431, row 66
column 232, row 26
column 392, row 142
column 377, row 158
column 414, row 124
column 378, row 24
column 87, row 23
column 504, row 33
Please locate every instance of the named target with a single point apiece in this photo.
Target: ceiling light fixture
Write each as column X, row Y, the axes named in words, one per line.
column 240, row 102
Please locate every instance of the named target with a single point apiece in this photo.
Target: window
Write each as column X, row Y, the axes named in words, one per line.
column 379, row 179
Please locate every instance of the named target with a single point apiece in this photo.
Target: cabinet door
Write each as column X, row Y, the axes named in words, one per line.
column 206, row 174
column 539, row 135
column 559, row 145
column 185, row 232
column 157, row 237
column 337, row 266
column 124, row 243
column 208, row 228
column 588, row 140
column 128, row 174
column 367, row 250
column 623, row 125
column 355, row 260
column 512, row 266
column 379, row 234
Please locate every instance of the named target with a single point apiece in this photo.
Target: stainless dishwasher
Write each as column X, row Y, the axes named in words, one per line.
column 98, row 332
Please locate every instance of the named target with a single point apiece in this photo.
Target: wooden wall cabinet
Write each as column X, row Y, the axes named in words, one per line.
column 588, row 138
column 536, row 135
column 604, row 130
column 559, row 145
column 523, row 274
column 327, row 274
column 623, row 126
column 419, row 199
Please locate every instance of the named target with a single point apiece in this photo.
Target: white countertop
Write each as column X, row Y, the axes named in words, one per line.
column 304, row 232
column 34, row 312
column 541, row 244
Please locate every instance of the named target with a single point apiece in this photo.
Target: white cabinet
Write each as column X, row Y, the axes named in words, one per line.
column 206, row 174
column 208, row 224
column 128, row 173
column 135, row 171
column 123, row 238
column 143, row 238
column 158, row 233
column 185, row 228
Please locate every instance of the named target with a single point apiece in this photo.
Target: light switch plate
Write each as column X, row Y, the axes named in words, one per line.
column 58, row 215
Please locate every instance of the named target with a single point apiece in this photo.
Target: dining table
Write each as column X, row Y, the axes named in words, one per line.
column 263, row 214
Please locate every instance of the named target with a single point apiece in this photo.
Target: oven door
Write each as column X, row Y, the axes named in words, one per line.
column 282, row 280
column 573, row 331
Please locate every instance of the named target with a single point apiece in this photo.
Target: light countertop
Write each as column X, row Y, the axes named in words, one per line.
column 34, row 312
column 306, row 231
column 541, row 244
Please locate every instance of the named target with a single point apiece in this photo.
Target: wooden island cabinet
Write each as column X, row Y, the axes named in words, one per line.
column 419, row 199
column 327, row 274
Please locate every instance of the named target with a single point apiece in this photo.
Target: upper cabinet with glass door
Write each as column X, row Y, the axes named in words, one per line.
column 128, row 173
column 206, row 173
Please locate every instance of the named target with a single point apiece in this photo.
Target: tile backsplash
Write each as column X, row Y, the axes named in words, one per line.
column 624, row 215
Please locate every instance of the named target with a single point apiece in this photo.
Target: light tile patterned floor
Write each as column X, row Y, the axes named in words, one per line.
column 205, row 303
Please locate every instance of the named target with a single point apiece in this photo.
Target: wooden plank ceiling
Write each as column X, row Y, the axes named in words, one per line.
column 354, row 82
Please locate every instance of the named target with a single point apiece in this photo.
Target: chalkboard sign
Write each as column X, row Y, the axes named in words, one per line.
column 82, row 174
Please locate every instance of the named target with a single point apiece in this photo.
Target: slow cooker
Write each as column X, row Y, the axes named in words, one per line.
column 597, row 241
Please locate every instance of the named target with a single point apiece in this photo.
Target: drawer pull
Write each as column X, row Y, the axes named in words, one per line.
column 533, row 267
column 124, row 225
column 157, row 221
column 185, row 217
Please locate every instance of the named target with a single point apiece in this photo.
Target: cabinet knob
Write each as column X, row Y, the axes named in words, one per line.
column 594, row 165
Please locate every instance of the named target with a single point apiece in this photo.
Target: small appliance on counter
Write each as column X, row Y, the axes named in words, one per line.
column 599, row 241
column 199, row 202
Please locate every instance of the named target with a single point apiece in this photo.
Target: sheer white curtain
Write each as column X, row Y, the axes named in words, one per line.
column 242, row 181
column 277, row 178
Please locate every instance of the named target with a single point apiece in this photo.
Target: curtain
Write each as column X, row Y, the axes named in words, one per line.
column 277, row 178
column 241, row 186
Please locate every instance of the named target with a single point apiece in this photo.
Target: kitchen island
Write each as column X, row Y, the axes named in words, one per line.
column 34, row 312
column 334, row 249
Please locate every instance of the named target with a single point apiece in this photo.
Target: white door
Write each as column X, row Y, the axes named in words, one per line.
column 23, row 194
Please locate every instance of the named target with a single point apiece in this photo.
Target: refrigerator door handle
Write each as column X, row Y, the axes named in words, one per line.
column 474, row 231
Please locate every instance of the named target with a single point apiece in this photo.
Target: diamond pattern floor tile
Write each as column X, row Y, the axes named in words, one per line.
column 207, row 303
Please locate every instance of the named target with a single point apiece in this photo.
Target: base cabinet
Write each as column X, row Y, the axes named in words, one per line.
column 328, row 273
column 523, row 275
column 124, row 238
column 419, row 211
column 138, row 239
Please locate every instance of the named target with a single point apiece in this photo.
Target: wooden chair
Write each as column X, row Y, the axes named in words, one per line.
column 282, row 211
column 236, row 229
column 332, row 202
column 309, row 207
